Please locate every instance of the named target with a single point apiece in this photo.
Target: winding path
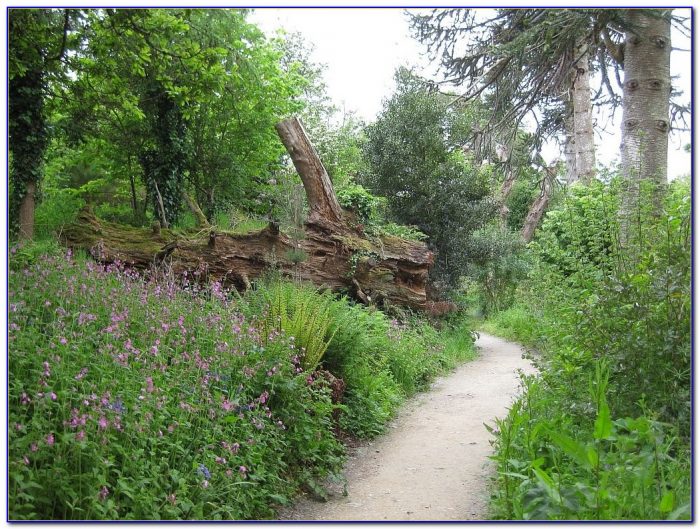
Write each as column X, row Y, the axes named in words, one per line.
column 433, row 463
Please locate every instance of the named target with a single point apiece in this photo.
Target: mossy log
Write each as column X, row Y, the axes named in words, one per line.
column 333, row 253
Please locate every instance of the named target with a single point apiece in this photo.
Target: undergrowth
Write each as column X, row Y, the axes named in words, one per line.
column 160, row 398
column 603, row 431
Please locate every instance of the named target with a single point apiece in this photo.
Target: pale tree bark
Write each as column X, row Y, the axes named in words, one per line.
column 645, row 110
column 579, row 150
column 511, row 176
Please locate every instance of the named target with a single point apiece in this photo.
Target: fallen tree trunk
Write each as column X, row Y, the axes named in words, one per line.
column 332, row 254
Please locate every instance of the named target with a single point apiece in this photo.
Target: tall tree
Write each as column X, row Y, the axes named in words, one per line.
column 522, row 60
column 415, row 159
column 38, row 39
column 579, row 144
column 646, row 57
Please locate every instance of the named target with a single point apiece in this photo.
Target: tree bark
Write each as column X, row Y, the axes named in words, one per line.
column 200, row 218
column 539, row 206
column 323, row 204
column 579, row 148
column 645, row 107
column 337, row 256
column 506, row 188
column 583, row 117
column 26, row 212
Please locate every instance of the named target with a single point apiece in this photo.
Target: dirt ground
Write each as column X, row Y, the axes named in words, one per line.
column 432, row 464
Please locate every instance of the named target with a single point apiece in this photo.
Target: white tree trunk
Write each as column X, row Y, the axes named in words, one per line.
column 645, row 110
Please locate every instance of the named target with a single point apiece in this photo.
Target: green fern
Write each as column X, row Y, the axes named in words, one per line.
column 301, row 312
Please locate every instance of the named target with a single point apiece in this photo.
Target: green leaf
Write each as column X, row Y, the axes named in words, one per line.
column 603, row 424
column 574, row 449
column 547, row 482
column 666, row 503
column 592, row 456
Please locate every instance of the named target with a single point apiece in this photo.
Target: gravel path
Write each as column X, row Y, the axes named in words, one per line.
column 432, row 464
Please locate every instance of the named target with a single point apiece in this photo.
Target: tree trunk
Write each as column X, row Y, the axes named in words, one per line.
column 645, row 107
column 579, row 151
column 539, row 206
column 199, row 217
column 503, row 194
column 336, row 255
column 26, row 212
column 323, row 204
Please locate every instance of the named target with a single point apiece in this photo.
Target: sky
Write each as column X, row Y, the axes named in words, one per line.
column 362, row 48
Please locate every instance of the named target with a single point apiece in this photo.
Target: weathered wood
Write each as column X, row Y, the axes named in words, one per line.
column 337, row 256
column 539, row 205
column 199, row 217
column 389, row 269
column 323, row 204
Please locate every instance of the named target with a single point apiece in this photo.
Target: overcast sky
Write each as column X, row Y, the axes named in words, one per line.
column 362, row 48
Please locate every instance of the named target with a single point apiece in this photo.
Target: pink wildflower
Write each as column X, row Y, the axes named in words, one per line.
column 103, row 423
column 50, row 439
column 80, row 435
column 104, row 492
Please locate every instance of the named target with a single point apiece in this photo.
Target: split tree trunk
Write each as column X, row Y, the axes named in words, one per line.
column 337, row 256
column 645, row 106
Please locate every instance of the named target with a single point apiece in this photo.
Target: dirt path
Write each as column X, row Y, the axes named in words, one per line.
column 432, row 464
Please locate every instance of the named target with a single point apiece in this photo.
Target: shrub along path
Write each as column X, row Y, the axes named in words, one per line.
column 433, row 462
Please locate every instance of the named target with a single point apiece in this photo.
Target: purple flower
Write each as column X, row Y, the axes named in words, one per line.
column 50, row 439
column 104, row 492
column 243, row 470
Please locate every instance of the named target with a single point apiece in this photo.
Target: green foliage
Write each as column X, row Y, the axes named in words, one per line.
column 603, row 433
column 499, row 263
column 365, row 205
column 554, row 466
column 151, row 400
column 415, row 161
column 298, row 311
column 381, row 361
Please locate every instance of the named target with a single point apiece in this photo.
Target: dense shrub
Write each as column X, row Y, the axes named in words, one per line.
column 603, row 314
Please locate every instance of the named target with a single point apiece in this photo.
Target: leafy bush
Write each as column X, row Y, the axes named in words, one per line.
column 381, row 361
column 57, row 210
column 298, row 311
column 552, row 466
column 415, row 160
column 619, row 316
